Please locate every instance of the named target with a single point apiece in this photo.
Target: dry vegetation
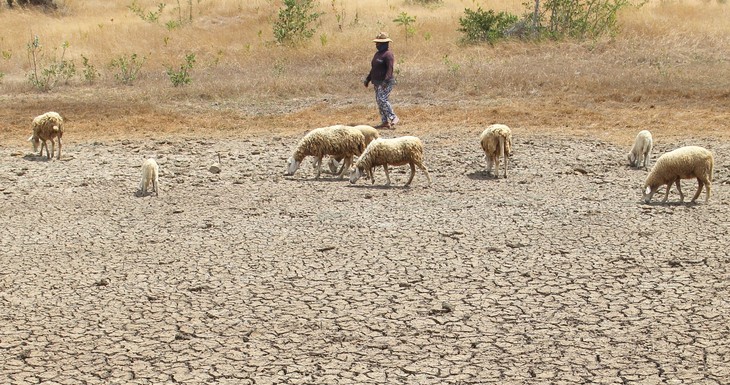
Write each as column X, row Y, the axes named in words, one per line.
column 666, row 71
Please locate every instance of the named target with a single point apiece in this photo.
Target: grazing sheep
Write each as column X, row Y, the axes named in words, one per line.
column 47, row 127
column 150, row 175
column 496, row 141
column 642, row 149
column 339, row 141
column 683, row 163
column 370, row 134
column 395, row 152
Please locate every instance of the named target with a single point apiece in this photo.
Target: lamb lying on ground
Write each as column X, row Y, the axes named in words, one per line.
column 47, row 127
column 370, row 134
column 150, row 175
column 395, row 152
column 339, row 141
column 496, row 141
column 683, row 163
column 641, row 151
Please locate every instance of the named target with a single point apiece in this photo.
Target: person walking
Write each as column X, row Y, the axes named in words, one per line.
column 381, row 75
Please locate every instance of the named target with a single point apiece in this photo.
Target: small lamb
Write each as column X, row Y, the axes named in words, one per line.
column 683, row 163
column 150, row 175
column 641, row 151
column 395, row 152
column 47, row 127
column 496, row 141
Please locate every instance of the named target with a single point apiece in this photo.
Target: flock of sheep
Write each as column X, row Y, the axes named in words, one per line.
column 361, row 150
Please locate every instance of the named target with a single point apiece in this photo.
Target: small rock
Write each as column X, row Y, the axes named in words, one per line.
column 215, row 168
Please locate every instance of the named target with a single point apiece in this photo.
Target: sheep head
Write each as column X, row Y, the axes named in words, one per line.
column 649, row 192
column 291, row 166
column 36, row 141
column 356, row 173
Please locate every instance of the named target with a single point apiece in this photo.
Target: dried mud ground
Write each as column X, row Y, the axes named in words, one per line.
column 558, row 274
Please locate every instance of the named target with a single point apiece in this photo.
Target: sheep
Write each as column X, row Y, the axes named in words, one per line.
column 150, row 175
column 496, row 141
column 47, row 127
column 642, row 149
column 370, row 134
column 339, row 140
column 396, row 152
column 683, row 163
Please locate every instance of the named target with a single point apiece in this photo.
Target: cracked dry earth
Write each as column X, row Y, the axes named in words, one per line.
column 558, row 274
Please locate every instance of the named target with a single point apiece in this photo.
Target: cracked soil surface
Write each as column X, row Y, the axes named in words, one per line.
column 558, row 274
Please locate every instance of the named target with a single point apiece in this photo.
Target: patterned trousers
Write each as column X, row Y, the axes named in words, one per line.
column 382, row 92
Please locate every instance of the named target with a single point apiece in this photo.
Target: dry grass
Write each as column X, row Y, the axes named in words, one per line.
column 666, row 71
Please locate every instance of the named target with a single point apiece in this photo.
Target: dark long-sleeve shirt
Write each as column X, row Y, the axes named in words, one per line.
column 381, row 67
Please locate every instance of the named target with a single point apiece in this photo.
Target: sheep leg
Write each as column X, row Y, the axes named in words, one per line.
column 43, row 145
column 505, row 165
column 666, row 195
column 387, row 177
column 346, row 163
column 318, row 165
column 489, row 163
column 155, row 183
column 425, row 171
column 370, row 175
column 59, row 148
column 681, row 196
column 413, row 173
column 700, row 184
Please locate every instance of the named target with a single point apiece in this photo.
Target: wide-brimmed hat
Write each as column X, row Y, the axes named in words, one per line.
column 382, row 38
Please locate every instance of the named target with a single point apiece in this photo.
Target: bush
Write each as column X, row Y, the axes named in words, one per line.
column 479, row 26
column 127, row 68
column 48, row 4
column 46, row 77
column 182, row 77
column 581, row 18
column 294, row 23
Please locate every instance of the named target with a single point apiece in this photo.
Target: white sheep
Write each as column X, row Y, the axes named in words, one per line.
column 150, row 175
column 683, row 163
column 641, row 151
column 340, row 141
column 496, row 141
column 47, row 127
column 395, row 152
column 370, row 134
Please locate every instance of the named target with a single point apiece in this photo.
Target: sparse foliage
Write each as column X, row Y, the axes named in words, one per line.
column 57, row 69
column 48, row 4
column 294, row 24
column 580, row 18
column 149, row 16
column 182, row 76
column 90, row 73
column 485, row 26
column 127, row 67
column 407, row 22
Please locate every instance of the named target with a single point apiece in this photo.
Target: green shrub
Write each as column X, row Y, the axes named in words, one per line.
column 182, row 76
column 90, row 73
column 46, row 77
column 406, row 21
column 479, row 26
column 580, row 18
column 127, row 68
column 293, row 25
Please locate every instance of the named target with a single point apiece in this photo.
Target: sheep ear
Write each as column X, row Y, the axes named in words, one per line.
column 648, row 190
column 31, row 138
